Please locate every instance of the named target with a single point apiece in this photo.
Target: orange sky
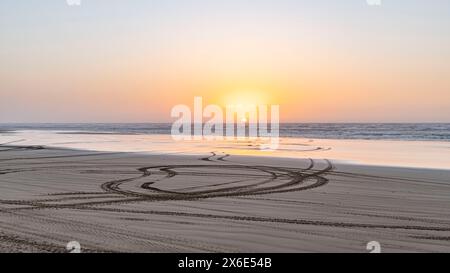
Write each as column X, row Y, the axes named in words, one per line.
column 133, row 61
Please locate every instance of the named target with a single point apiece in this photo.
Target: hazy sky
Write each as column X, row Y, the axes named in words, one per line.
column 133, row 60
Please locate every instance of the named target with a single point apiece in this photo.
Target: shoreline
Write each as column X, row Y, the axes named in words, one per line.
column 336, row 162
column 388, row 153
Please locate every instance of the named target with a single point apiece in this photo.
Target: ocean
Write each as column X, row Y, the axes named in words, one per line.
column 365, row 131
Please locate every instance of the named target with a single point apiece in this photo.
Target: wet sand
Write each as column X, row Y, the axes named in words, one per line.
column 393, row 153
column 132, row 202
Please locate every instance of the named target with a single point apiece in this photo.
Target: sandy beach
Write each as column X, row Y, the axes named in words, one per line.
column 137, row 202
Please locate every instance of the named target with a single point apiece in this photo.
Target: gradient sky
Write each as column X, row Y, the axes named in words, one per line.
column 133, row 60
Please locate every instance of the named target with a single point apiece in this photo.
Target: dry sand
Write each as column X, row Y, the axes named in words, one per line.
column 130, row 202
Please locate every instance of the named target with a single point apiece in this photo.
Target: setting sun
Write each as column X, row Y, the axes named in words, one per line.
column 246, row 97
